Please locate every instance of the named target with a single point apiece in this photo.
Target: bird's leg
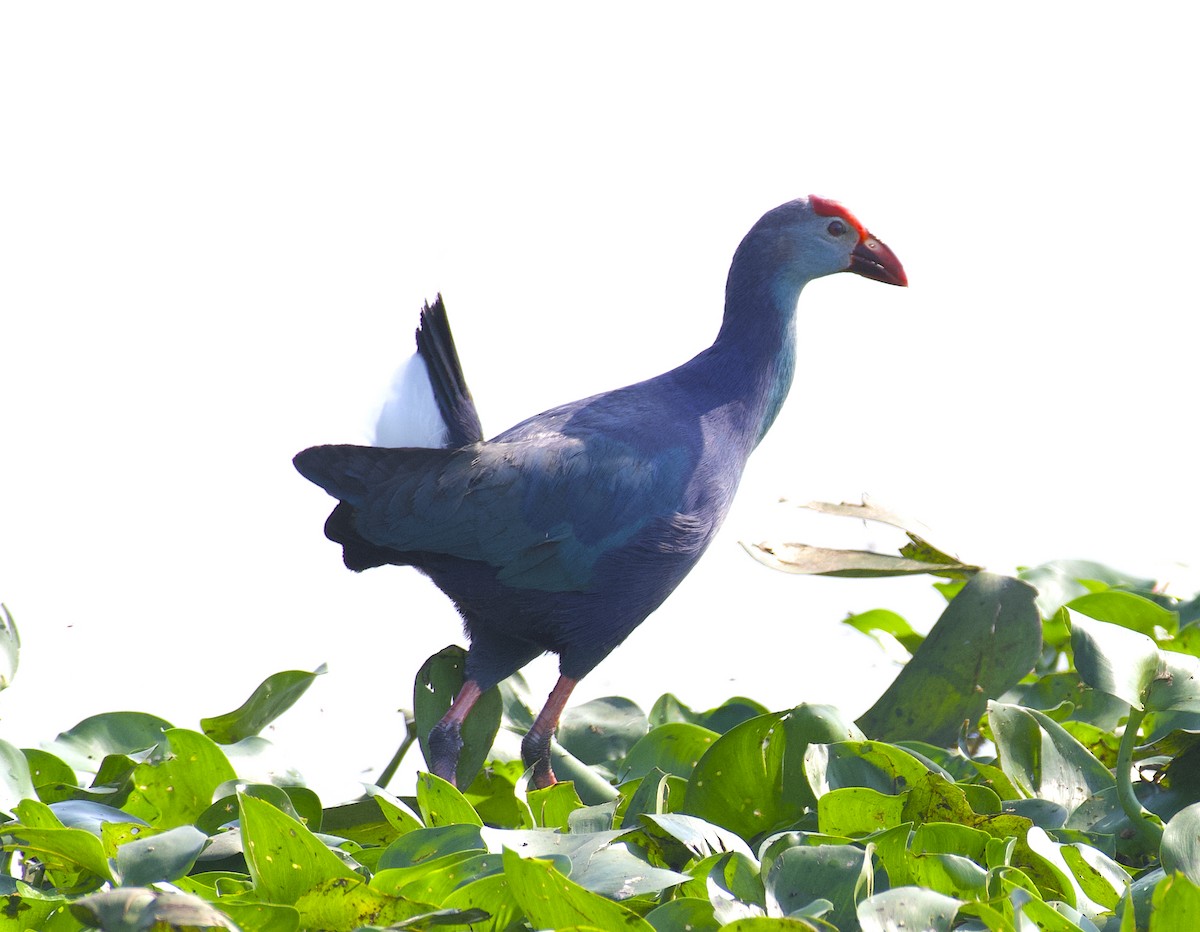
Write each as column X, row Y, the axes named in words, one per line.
column 535, row 746
column 445, row 738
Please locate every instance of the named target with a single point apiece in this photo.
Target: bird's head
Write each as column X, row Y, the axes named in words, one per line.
column 813, row 236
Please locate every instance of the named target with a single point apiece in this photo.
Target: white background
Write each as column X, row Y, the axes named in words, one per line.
column 217, row 223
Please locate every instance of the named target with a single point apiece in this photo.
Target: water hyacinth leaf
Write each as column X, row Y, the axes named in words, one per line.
column 163, row 857
column 89, row 815
column 437, row 683
column 1060, row 581
column 551, row 901
column 602, row 731
column 1099, row 877
column 62, row 850
column 673, row 748
column 701, row 838
column 593, row 788
column 493, row 895
column 177, row 786
column 440, row 803
column 879, row 621
column 874, row 764
column 341, row 903
column 684, row 914
column 858, row 810
column 274, row 696
column 1127, row 609
column 1114, row 660
column 86, row 745
column 908, row 908
column 774, row 924
column 1176, row 905
column 835, row 873
column 131, row 909
column 16, row 782
column 985, row 641
column 752, row 778
column 427, row 844
column 1176, row 684
column 1043, row 760
column 10, row 647
column 285, row 859
column 552, row 807
column 1181, row 844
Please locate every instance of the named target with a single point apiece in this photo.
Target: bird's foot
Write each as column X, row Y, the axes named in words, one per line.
column 535, row 752
column 445, row 743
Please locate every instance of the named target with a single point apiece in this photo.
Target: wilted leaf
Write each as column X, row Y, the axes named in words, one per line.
column 134, row 909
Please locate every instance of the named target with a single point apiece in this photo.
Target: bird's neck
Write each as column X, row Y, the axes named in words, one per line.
column 754, row 354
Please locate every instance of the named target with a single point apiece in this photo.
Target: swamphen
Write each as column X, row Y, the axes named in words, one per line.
column 564, row 532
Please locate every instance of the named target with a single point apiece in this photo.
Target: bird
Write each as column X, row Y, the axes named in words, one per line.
column 566, row 531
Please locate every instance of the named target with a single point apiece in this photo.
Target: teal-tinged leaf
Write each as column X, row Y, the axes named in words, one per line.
column 1176, row 905
column 427, row 844
column 734, row 884
column 492, row 894
column 590, row 819
column 685, row 914
column 88, row 743
column 89, row 815
column 1042, row 759
column 731, row 713
column 591, row 785
column 1061, row 581
column 433, row 881
column 163, row 857
column 908, row 908
column 753, row 779
column 839, row 874
column 1114, row 660
column 177, row 785
column 1126, row 609
column 438, row 682
column 285, row 859
column 551, row 901
column 130, row 909
column 673, row 748
column 16, row 782
column 602, row 731
column 653, row 794
column 1176, row 684
column 1181, row 844
column 875, row 764
column 10, row 647
column 986, row 640
column 440, row 803
column 274, row 696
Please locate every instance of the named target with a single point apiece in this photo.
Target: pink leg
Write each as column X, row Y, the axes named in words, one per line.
column 535, row 747
column 445, row 740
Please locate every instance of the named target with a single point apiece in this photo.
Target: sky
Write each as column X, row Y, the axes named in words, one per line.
column 218, row 223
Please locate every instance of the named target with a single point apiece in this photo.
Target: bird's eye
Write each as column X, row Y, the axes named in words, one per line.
column 836, row 228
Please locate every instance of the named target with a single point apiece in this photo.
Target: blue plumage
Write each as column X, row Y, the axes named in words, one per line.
column 565, row 531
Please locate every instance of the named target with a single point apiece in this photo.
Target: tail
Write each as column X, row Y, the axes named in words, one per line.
column 435, row 345
column 348, row 473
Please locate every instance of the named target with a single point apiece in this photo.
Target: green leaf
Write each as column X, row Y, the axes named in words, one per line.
column 428, row 844
column 874, row 764
column 881, row 621
column 1181, row 844
column 178, row 785
column 1126, row 609
column 908, row 908
column 274, row 696
column 858, row 810
column 701, row 838
column 285, row 859
column 1176, row 905
column 440, row 803
column 1061, row 581
column 752, row 779
column 986, row 640
column 552, row 807
column 345, row 903
column 551, row 901
column 438, row 682
column 602, row 731
column 1042, row 759
column 673, row 748
column 807, row 560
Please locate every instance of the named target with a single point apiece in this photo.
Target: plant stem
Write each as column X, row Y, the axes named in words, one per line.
column 410, row 735
column 1142, row 819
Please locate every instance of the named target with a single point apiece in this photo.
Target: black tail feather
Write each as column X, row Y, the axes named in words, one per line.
column 435, row 344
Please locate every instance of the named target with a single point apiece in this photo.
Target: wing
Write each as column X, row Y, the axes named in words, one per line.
column 541, row 509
